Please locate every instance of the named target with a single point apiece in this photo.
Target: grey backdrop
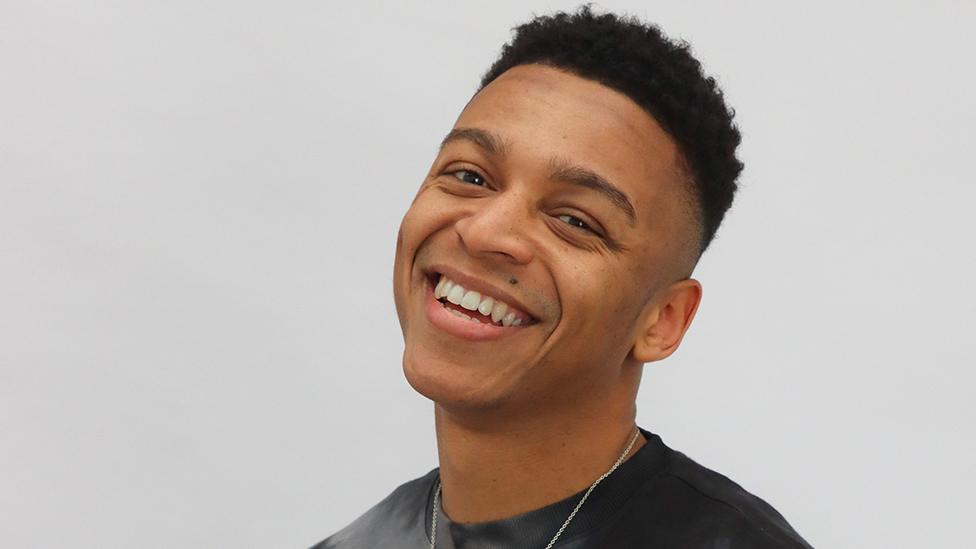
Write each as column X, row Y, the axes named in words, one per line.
column 198, row 211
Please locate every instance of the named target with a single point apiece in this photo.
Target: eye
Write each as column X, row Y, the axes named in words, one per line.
column 577, row 222
column 472, row 177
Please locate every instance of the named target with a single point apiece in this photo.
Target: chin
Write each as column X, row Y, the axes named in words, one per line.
column 449, row 385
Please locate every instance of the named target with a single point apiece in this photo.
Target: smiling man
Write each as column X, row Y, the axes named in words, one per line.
column 545, row 259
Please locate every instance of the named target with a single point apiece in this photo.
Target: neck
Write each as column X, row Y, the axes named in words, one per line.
column 504, row 465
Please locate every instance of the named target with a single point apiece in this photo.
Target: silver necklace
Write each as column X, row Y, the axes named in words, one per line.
column 437, row 497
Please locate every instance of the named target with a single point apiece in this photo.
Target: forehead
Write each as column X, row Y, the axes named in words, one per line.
column 542, row 112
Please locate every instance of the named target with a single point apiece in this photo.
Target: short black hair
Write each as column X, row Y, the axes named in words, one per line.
column 661, row 76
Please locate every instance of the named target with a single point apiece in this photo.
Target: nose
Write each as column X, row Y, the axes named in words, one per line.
column 497, row 227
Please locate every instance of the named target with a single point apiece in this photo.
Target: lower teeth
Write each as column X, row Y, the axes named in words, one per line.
column 460, row 314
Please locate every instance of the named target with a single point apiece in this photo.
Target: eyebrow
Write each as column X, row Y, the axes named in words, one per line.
column 482, row 138
column 562, row 170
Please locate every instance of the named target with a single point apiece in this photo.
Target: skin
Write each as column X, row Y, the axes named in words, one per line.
column 537, row 416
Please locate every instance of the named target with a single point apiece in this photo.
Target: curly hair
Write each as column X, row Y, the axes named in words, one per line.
column 659, row 75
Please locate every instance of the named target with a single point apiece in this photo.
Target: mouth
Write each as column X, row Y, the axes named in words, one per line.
column 469, row 314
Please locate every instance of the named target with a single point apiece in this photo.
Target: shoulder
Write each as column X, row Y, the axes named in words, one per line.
column 690, row 505
column 390, row 521
column 735, row 512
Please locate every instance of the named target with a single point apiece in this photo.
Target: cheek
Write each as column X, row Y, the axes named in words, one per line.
column 595, row 298
column 412, row 224
column 608, row 304
column 425, row 220
column 427, row 214
column 410, row 235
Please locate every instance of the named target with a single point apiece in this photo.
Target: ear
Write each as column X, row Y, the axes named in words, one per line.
column 665, row 320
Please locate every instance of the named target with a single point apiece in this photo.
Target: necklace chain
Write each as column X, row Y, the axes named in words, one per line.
column 437, row 496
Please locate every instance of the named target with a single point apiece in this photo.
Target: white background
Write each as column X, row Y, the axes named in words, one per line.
column 198, row 211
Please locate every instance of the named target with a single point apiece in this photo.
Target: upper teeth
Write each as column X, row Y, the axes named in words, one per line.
column 472, row 301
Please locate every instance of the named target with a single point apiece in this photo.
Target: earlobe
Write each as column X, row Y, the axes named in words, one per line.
column 665, row 321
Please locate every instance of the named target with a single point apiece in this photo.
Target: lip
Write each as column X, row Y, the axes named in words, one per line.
column 485, row 289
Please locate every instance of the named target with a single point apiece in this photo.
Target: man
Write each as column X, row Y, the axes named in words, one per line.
column 546, row 257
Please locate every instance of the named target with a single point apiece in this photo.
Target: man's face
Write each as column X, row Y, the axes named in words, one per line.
column 506, row 200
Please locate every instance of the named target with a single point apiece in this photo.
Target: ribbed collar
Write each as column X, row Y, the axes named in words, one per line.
column 536, row 528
